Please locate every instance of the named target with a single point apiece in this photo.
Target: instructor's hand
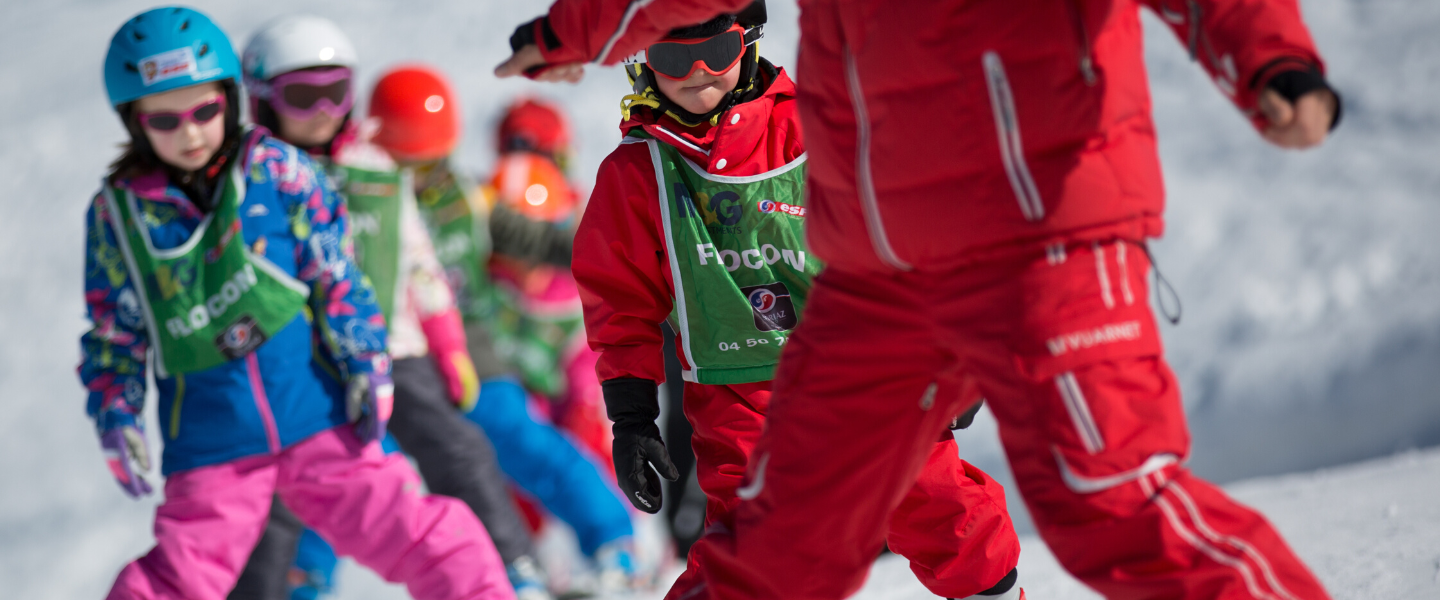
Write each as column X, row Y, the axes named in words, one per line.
column 1298, row 125
column 529, row 62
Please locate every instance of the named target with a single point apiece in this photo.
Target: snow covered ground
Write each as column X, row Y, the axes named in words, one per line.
column 1369, row 531
column 1310, row 337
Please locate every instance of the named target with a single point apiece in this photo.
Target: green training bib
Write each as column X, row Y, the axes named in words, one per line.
column 209, row 300
column 739, row 262
column 461, row 234
column 373, row 201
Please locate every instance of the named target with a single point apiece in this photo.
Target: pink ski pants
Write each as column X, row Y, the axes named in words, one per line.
column 365, row 503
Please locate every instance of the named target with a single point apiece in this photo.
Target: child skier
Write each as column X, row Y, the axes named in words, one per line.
column 298, row 70
column 468, row 230
column 215, row 255
column 535, row 310
column 698, row 217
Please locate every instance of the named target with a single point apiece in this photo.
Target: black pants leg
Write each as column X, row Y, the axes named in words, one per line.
column 454, row 456
column 264, row 577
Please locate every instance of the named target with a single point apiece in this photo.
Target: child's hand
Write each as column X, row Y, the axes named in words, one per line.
column 125, row 447
column 369, row 400
column 460, row 379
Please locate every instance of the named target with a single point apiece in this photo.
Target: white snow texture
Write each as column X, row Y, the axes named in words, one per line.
column 1310, row 336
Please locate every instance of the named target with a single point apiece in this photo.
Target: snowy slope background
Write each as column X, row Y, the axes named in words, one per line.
column 1311, row 282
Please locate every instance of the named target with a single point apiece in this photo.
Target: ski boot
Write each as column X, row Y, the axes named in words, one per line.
column 528, row 579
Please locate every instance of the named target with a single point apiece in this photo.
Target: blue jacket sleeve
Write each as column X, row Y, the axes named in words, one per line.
column 112, row 351
column 345, row 307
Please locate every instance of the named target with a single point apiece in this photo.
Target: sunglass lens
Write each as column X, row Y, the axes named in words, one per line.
column 165, row 122
column 205, row 113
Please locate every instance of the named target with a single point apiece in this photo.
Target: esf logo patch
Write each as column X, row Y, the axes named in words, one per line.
column 771, row 206
column 772, row 307
column 239, row 338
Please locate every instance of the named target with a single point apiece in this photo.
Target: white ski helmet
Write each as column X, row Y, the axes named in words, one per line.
column 291, row 43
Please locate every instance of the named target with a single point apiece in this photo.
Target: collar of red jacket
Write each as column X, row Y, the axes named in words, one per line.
column 730, row 142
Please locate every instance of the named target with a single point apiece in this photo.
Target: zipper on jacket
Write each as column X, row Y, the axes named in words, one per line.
column 262, row 402
column 175, row 406
column 1087, row 61
column 865, row 183
column 1007, row 128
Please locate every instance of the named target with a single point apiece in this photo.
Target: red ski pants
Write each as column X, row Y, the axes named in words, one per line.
column 951, row 524
column 1063, row 346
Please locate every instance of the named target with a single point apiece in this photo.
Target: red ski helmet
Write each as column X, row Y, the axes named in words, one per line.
column 417, row 113
column 533, row 125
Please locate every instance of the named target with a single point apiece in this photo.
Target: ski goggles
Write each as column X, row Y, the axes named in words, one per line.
column 199, row 114
column 303, row 94
column 678, row 59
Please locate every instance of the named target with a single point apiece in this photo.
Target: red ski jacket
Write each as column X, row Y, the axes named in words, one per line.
column 948, row 132
column 620, row 250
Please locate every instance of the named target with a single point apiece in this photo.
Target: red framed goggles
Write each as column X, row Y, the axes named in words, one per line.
column 199, row 114
column 678, row 59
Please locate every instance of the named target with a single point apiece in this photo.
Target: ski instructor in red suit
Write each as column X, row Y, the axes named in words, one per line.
column 983, row 180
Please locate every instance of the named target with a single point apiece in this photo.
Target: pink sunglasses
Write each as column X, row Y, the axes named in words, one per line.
column 199, row 114
column 302, row 94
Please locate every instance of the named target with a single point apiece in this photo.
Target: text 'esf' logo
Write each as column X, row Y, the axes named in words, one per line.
column 771, row 206
column 772, row 306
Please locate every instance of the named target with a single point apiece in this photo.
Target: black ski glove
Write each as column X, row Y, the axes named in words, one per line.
column 634, row 404
column 963, row 420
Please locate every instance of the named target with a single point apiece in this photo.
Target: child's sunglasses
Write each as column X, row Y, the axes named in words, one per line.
column 678, row 59
column 199, row 114
column 301, row 94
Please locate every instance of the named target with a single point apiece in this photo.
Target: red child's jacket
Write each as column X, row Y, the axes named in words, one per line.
column 620, row 254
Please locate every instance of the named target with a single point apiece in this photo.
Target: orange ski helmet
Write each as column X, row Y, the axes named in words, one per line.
column 417, row 111
column 534, row 186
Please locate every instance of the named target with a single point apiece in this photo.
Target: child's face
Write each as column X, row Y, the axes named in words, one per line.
column 189, row 146
column 314, row 131
column 701, row 92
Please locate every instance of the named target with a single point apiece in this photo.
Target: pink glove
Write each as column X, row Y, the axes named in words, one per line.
column 445, row 333
column 125, row 448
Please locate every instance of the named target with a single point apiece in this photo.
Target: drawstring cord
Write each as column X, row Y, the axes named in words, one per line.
column 630, row 100
column 1161, row 286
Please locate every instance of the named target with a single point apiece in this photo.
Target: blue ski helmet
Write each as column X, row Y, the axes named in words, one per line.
column 166, row 48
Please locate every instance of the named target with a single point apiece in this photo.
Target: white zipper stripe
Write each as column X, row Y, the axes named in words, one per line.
column 1007, row 127
column 630, row 12
column 1124, row 273
column 1079, row 412
column 1104, row 277
column 865, row 183
column 1237, row 543
column 684, row 324
column 1080, row 484
column 683, row 141
column 117, row 225
column 1208, row 550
